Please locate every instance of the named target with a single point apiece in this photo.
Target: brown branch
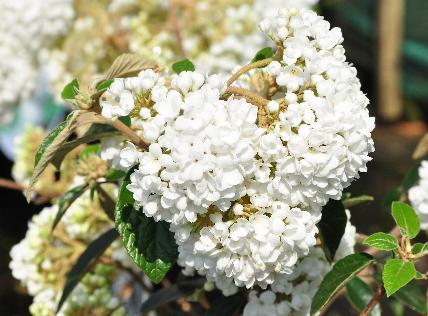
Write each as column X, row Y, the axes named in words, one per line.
column 246, row 68
column 374, row 300
column 9, row 184
column 251, row 97
column 130, row 134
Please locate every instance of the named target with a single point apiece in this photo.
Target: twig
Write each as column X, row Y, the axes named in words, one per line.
column 246, row 68
column 251, row 97
column 9, row 184
column 130, row 134
column 374, row 300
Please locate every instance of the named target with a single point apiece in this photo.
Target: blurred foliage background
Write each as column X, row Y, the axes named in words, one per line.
column 387, row 40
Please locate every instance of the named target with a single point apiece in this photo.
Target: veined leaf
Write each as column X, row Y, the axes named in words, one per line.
column 382, row 241
column 419, row 247
column 359, row 294
column 55, row 140
column 150, row 244
column 406, row 219
column 332, row 227
column 127, row 65
column 396, row 274
column 183, row 65
column 65, row 202
column 104, row 85
column 343, row 271
column 86, row 259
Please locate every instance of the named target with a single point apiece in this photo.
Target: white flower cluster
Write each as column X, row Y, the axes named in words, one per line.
column 290, row 294
column 41, row 260
column 243, row 190
column 322, row 121
column 26, row 28
column 418, row 196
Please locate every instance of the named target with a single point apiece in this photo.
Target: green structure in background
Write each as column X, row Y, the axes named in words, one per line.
column 358, row 20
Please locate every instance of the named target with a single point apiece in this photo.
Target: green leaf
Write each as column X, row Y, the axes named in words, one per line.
column 396, row 274
column 343, row 271
column 413, row 296
column 382, row 241
column 183, row 65
column 150, row 244
column 227, row 305
column 406, row 219
column 264, row 53
column 419, row 247
column 65, row 202
column 359, row 294
column 332, row 227
column 90, row 150
column 115, row 174
column 104, row 85
column 350, row 202
column 126, row 120
column 71, row 90
column 86, row 259
column 106, row 201
column 171, row 294
column 55, row 142
column 411, row 177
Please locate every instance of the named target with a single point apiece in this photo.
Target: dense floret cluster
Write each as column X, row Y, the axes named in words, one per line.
column 418, row 195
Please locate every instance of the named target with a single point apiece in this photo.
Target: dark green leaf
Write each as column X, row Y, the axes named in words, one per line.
column 173, row 293
column 343, row 271
column 183, row 65
column 90, row 150
column 115, row 174
column 227, row 305
column 86, row 259
column 150, row 244
column 106, row 201
column 126, row 120
column 65, row 202
column 104, row 85
column 382, row 241
column 264, row 53
column 411, row 177
column 350, row 202
column 391, row 196
column 359, row 294
column 406, row 218
column 413, row 296
column 331, row 227
column 71, row 90
column 419, row 247
column 396, row 274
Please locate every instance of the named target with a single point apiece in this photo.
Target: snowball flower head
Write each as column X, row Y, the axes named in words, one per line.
column 418, row 195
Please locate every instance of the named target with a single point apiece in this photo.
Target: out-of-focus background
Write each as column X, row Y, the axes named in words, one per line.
column 386, row 40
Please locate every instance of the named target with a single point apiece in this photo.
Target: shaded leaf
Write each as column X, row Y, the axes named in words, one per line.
column 127, row 65
column 332, row 227
column 106, row 201
column 115, row 174
column 227, row 305
column 353, row 201
column 411, row 177
column 71, row 90
column 359, row 294
column 413, row 296
column 150, row 244
column 343, row 271
column 65, row 202
column 183, row 65
column 406, row 218
column 86, row 259
column 421, row 149
column 396, row 274
column 391, row 196
column 382, row 241
column 126, row 120
column 264, row 53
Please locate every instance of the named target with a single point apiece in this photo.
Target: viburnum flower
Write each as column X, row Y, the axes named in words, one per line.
column 418, row 195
